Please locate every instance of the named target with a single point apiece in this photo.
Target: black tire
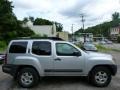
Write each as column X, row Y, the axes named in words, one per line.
column 95, row 73
column 34, row 77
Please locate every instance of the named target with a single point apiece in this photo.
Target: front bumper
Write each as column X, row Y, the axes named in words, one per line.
column 114, row 69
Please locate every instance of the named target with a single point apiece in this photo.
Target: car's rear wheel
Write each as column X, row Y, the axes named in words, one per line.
column 100, row 76
column 28, row 77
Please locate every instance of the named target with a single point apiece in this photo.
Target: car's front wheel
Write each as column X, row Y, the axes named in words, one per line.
column 100, row 76
column 28, row 77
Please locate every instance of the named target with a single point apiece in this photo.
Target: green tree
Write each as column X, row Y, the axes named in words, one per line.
column 59, row 26
column 25, row 20
column 8, row 21
column 115, row 16
column 115, row 19
column 79, row 31
column 103, row 28
column 10, row 27
column 31, row 18
column 40, row 21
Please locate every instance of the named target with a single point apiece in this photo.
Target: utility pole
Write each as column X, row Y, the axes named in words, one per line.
column 83, row 20
column 72, row 33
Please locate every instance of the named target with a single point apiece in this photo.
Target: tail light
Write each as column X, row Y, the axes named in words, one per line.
column 5, row 59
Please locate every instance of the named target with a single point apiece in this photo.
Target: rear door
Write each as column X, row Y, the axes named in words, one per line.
column 42, row 50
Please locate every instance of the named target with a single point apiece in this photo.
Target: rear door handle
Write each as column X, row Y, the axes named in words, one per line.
column 57, row 59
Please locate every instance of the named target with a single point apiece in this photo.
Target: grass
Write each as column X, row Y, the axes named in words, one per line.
column 116, row 50
column 102, row 48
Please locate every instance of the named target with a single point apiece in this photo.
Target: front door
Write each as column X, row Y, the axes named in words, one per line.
column 66, row 62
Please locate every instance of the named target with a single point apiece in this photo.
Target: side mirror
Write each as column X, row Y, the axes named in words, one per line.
column 77, row 54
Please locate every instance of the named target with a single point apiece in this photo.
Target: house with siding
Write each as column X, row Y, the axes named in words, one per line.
column 114, row 32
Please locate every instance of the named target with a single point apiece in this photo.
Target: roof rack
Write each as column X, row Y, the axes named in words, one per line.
column 50, row 38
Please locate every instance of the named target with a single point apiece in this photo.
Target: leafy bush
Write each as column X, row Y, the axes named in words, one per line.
column 36, row 35
column 45, row 35
column 1, row 62
column 3, row 46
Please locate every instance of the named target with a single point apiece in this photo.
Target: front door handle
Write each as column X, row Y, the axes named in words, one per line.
column 57, row 59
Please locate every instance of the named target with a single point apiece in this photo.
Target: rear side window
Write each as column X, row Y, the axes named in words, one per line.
column 18, row 47
column 41, row 48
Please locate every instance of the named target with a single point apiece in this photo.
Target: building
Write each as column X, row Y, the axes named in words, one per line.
column 63, row 35
column 114, row 32
column 85, row 37
column 48, row 30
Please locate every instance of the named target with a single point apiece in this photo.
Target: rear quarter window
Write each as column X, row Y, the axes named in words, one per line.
column 18, row 47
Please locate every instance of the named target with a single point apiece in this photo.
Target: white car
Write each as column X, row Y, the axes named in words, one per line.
column 2, row 57
column 102, row 42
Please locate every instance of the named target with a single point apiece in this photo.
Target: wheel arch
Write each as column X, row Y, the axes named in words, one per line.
column 20, row 67
column 110, row 67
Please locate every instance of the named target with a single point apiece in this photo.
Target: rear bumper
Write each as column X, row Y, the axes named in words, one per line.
column 10, row 69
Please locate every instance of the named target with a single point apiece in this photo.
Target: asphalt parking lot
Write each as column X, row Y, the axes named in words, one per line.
column 62, row 83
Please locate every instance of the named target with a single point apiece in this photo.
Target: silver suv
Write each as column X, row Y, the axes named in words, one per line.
column 30, row 59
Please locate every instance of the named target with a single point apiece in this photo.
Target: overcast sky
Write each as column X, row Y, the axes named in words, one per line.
column 68, row 12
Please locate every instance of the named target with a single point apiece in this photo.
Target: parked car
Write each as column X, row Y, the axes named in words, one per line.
column 2, row 56
column 102, row 42
column 108, row 42
column 89, row 47
column 88, row 42
column 29, row 60
column 75, row 42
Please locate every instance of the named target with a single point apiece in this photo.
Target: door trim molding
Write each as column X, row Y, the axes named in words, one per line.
column 63, row 70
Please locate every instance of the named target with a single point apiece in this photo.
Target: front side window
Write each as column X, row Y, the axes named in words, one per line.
column 41, row 48
column 18, row 47
column 64, row 49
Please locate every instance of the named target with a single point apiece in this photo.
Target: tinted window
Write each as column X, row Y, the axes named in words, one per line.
column 65, row 49
column 41, row 48
column 18, row 47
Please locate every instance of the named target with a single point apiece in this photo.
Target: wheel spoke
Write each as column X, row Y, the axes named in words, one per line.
column 101, row 77
column 27, row 78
